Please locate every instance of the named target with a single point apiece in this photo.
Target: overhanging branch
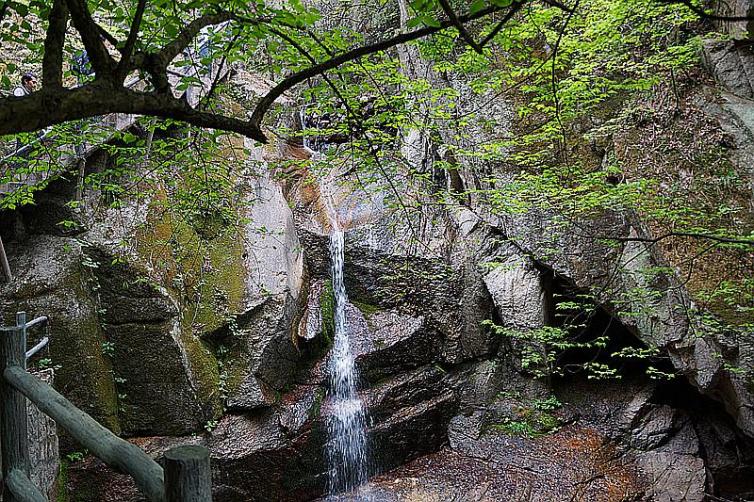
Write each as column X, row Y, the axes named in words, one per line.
column 90, row 32
column 453, row 18
column 55, row 106
column 125, row 62
column 171, row 50
column 288, row 83
column 52, row 62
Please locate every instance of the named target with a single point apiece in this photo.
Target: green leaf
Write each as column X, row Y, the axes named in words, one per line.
column 423, row 20
column 477, row 6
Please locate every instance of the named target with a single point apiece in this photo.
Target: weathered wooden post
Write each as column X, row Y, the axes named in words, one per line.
column 4, row 261
column 13, row 435
column 187, row 474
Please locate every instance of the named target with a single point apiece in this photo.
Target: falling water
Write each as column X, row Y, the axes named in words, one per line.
column 302, row 118
column 347, row 445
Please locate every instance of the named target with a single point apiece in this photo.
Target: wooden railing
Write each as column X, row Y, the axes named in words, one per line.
column 186, row 476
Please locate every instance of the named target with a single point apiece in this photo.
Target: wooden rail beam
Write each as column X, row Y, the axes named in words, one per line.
column 111, row 449
column 186, row 478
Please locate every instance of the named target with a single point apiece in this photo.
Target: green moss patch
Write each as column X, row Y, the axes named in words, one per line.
column 533, row 420
column 327, row 308
column 367, row 309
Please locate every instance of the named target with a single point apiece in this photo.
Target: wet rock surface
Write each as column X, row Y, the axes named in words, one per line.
column 609, row 447
column 52, row 280
column 393, row 344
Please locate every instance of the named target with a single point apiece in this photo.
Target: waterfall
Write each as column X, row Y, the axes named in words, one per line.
column 346, row 423
column 304, row 138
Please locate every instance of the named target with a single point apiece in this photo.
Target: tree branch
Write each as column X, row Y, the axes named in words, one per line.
column 52, row 62
column 446, row 7
column 288, row 83
column 156, row 64
column 90, row 35
column 695, row 235
column 171, row 50
column 55, row 106
column 125, row 62
column 216, row 81
column 515, row 7
column 108, row 36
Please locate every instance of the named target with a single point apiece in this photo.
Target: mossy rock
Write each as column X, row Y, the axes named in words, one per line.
column 56, row 279
column 209, row 274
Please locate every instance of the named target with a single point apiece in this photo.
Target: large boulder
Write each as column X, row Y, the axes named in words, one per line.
column 731, row 64
column 264, row 356
column 389, row 343
column 517, row 290
column 54, row 277
column 669, row 452
column 164, row 376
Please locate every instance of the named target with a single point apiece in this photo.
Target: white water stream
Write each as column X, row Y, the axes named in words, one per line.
column 347, row 448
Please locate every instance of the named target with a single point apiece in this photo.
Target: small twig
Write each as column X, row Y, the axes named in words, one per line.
column 446, row 7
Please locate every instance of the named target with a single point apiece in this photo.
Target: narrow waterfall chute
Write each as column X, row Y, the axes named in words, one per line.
column 347, row 446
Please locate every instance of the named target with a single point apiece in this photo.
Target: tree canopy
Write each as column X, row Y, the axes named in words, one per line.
column 152, row 38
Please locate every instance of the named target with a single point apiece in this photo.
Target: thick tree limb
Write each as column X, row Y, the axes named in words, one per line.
column 90, row 34
column 156, row 64
column 125, row 62
column 52, row 63
column 171, row 50
column 55, row 106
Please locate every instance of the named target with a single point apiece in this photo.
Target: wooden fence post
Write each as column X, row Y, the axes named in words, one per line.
column 13, row 435
column 187, row 474
column 4, row 261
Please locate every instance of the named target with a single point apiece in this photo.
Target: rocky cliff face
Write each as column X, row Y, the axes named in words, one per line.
column 436, row 381
column 219, row 334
